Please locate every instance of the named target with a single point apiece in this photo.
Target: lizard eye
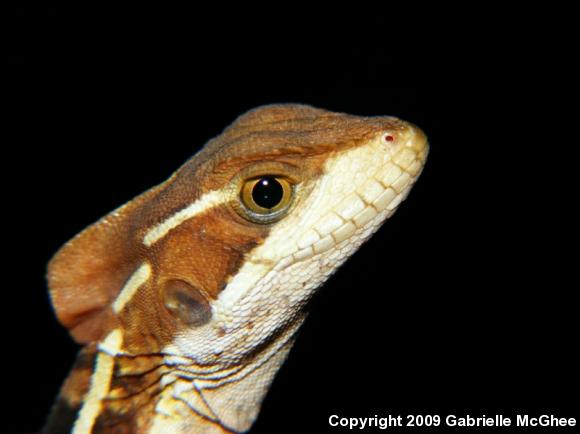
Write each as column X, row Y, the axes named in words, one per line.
column 266, row 198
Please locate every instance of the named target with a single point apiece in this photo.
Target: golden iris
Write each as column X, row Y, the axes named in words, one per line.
column 267, row 195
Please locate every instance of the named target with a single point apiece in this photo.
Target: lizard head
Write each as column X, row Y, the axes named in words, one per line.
column 299, row 190
column 229, row 249
column 214, row 267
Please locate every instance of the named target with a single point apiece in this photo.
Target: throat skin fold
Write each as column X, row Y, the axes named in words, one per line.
column 231, row 407
column 187, row 303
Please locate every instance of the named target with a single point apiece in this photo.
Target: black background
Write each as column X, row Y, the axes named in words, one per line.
column 462, row 303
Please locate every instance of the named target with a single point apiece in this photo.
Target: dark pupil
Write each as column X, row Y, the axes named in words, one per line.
column 267, row 192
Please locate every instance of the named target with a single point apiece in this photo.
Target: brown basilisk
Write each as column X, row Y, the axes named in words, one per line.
column 187, row 298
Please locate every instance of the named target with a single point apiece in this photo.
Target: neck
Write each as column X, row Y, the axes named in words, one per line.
column 167, row 393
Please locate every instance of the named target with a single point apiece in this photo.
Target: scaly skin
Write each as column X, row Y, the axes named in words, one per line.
column 188, row 299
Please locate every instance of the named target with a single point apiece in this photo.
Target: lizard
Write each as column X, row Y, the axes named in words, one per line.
column 187, row 299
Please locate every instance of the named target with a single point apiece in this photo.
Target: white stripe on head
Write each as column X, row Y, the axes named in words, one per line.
column 137, row 279
column 203, row 204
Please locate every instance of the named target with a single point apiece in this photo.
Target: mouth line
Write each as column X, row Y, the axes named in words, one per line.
column 366, row 215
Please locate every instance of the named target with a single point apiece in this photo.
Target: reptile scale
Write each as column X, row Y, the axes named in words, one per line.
column 187, row 299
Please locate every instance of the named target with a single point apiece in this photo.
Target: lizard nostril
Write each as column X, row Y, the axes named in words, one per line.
column 387, row 137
